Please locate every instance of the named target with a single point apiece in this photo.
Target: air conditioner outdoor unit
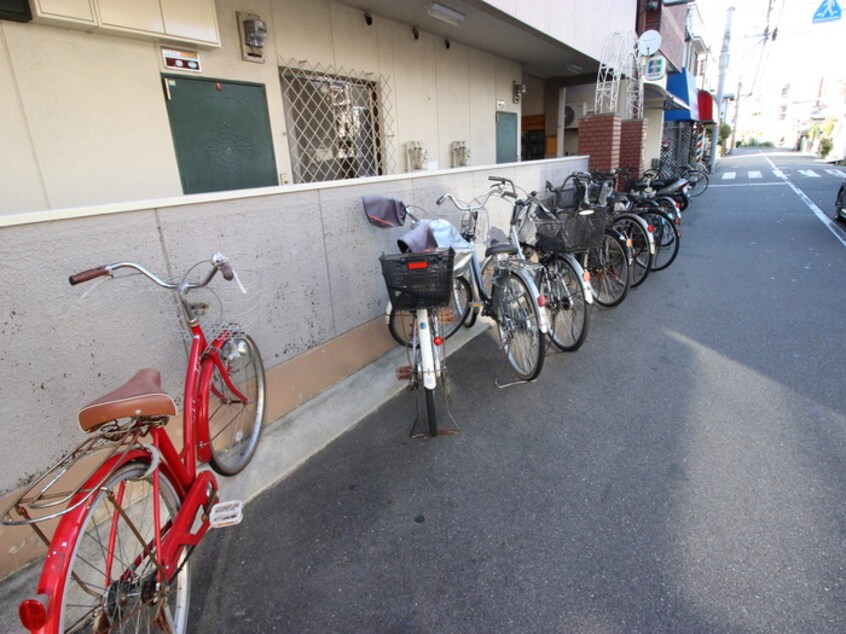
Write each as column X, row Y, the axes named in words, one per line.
column 573, row 112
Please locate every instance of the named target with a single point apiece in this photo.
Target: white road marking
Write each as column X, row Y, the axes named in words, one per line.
column 835, row 172
column 763, row 184
column 778, row 173
column 828, row 222
column 754, row 174
column 809, row 173
column 728, row 176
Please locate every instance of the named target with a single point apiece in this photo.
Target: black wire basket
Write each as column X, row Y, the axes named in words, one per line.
column 419, row 280
column 572, row 230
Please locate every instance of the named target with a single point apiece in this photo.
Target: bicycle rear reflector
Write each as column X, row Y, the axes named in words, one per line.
column 412, row 266
column 541, row 301
column 438, row 341
column 33, row 614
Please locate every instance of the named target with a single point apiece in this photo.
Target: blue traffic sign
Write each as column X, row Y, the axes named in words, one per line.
column 828, row 12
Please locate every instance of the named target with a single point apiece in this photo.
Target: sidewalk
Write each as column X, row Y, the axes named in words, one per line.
column 286, row 444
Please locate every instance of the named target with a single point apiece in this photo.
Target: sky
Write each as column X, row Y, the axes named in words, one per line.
column 800, row 54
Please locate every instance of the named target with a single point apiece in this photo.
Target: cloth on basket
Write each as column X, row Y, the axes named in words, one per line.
column 384, row 211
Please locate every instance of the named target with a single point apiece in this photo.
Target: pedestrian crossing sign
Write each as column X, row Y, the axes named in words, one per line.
column 828, row 12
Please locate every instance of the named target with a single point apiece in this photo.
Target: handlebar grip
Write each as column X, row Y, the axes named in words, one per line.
column 497, row 179
column 440, row 200
column 227, row 271
column 85, row 276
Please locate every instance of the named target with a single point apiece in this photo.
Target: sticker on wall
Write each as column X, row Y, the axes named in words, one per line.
column 181, row 60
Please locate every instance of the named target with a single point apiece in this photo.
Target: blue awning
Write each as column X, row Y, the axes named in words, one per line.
column 683, row 86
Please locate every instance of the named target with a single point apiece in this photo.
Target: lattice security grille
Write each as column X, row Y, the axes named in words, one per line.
column 340, row 123
column 677, row 147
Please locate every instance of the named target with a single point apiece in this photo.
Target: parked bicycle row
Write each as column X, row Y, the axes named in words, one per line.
column 575, row 245
column 126, row 508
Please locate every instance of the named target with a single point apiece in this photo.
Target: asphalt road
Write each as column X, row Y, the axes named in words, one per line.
column 683, row 472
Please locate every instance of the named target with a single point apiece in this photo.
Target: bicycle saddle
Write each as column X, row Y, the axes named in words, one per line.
column 141, row 396
column 500, row 248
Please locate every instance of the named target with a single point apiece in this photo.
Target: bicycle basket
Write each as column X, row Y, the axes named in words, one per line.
column 418, row 280
column 572, row 230
column 568, row 197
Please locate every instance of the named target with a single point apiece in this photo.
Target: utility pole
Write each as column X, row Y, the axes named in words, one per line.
column 724, row 62
column 736, row 112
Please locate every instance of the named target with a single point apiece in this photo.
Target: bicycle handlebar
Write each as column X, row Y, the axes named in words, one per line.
column 218, row 261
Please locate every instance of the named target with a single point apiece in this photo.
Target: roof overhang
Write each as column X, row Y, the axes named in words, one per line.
column 654, row 91
column 484, row 27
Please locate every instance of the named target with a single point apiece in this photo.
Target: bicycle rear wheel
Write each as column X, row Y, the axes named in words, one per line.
column 633, row 227
column 518, row 323
column 609, row 271
column 236, row 415
column 112, row 583
column 666, row 238
column 698, row 182
column 400, row 321
column 567, row 305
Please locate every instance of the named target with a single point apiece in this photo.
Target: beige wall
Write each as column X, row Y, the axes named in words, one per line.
column 596, row 19
column 84, row 122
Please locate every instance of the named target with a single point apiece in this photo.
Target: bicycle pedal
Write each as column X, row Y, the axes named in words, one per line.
column 403, row 373
column 225, row 514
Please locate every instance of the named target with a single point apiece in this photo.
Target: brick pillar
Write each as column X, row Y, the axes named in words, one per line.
column 632, row 145
column 599, row 137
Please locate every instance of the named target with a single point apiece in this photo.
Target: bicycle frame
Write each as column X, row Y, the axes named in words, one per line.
column 196, row 490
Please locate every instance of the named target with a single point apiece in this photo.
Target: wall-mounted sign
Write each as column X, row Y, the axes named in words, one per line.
column 656, row 68
column 181, row 60
column 500, row 104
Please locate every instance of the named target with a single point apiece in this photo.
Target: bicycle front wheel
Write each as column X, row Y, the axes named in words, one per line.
column 236, row 405
column 518, row 323
column 609, row 272
column 112, row 583
column 400, row 321
column 698, row 182
column 567, row 305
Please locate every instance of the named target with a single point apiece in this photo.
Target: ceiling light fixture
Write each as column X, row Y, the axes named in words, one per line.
column 574, row 68
column 445, row 14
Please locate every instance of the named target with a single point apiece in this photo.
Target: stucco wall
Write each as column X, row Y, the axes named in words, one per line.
column 83, row 118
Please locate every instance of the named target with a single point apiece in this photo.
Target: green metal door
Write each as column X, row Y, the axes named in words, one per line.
column 506, row 137
column 221, row 132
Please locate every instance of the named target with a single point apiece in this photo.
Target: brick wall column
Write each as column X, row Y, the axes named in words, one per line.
column 599, row 138
column 632, row 145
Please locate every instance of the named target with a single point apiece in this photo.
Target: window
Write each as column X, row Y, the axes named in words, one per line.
column 339, row 124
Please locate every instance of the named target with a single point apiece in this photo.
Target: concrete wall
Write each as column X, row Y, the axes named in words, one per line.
column 83, row 118
column 322, row 298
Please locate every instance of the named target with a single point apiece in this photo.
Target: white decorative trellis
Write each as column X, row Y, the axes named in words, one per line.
column 619, row 59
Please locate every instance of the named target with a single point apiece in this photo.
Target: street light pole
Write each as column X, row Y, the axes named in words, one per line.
column 724, row 62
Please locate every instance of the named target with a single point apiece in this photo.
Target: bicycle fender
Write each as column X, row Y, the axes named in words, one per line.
column 529, row 280
column 587, row 289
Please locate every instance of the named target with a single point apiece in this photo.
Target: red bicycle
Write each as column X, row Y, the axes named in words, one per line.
column 118, row 559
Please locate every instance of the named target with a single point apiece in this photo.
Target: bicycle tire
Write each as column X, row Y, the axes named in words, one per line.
column 235, row 426
column 609, row 272
column 400, row 321
column 430, row 412
column 568, row 308
column 698, row 182
column 518, row 324
column 633, row 226
column 126, row 603
column 666, row 237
